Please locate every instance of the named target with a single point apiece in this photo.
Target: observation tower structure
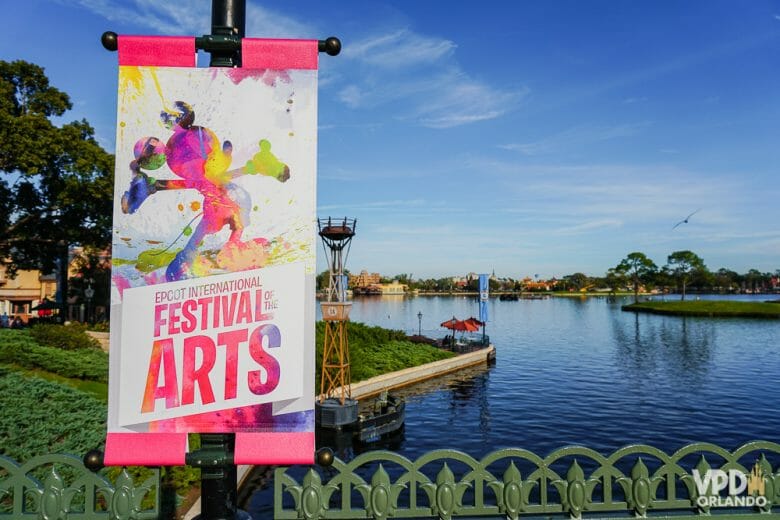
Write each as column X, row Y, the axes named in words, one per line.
column 335, row 407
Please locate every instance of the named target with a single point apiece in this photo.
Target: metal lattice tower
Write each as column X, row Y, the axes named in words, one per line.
column 336, row 378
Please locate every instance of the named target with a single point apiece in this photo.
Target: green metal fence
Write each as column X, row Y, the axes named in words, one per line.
column 574, row 482
column 60, row 487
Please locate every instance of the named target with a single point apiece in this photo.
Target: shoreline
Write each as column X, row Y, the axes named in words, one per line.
column 409, row 376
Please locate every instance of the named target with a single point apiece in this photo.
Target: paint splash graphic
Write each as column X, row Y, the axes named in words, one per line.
column 201, row 163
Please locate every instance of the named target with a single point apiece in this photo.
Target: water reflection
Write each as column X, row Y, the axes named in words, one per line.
column 675, row 349
column 469, row 394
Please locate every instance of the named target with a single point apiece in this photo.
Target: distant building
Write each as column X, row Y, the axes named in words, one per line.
column 18, row 295
column 391, row 288
column 539, row 285
column 363, row 279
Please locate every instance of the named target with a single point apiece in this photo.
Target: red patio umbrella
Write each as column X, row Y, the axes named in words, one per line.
column 469, row 325
column 472, row 324
column 454, row 324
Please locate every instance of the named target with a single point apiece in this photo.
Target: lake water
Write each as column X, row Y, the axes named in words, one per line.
column 581, row 371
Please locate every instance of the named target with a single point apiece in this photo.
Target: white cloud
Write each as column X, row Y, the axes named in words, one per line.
column 265, row 23
column 575, row 137
column 352, row 96
column 418, row 78
column 181, row 17
column 400, row 49
column 589, row 226
column 457, row 100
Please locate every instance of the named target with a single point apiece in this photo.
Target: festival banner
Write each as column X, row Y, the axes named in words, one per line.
column 212, row 310
column 484, row 290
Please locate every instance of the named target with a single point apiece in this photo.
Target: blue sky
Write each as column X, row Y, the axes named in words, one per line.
column 522, row 137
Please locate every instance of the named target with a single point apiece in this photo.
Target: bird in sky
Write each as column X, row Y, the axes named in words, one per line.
column 685, row 220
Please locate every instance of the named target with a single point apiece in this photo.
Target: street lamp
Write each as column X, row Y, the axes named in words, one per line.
column 419, row 320
column 89, row 292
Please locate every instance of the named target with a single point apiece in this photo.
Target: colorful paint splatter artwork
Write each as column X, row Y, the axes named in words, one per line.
column 210, row 183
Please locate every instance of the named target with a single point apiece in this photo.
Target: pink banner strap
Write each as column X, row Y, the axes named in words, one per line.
column 274, row 448
column 145, row 449
column 261, row 53
column 157, row 51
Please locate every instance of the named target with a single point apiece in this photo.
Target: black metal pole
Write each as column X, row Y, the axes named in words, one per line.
column 218, row 477
column 219, row 482
column 228, row 18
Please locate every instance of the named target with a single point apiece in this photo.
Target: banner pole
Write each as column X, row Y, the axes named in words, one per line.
column 228, row 18
column 218, row 477
column 219, row 482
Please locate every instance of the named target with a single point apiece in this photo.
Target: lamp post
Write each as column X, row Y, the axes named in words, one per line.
column 419, row 323
column 89, row 292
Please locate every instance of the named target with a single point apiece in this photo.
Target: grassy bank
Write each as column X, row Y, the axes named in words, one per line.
column 709, row 308
column 374, row 351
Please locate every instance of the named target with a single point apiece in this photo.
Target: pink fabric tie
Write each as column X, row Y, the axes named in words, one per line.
column 157, row 51
column 261, row 53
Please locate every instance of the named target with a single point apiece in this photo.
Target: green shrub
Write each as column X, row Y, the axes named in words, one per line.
column 374, row 351
column 43, row 417
column 66, row 337
column 17, row 347
column 101, row 326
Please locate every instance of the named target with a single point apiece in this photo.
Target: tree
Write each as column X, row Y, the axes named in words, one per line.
column 93, row 271
column 754, row 280
column 323, row 280
column 405, row 279
column 726, row 279
column 577, row 282
column 683, row 265
column 639, row 268
column 615, row 279
column 56, row 188
column 444, row 284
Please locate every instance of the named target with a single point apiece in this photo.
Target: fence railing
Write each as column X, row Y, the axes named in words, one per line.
column 575, row 482
column 637, row 481
column 60, row 487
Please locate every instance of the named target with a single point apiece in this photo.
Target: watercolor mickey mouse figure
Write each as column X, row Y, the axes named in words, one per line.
column 194, row 154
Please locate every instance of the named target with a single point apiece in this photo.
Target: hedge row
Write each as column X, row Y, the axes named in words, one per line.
column 66, row 337
column 17, row 347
